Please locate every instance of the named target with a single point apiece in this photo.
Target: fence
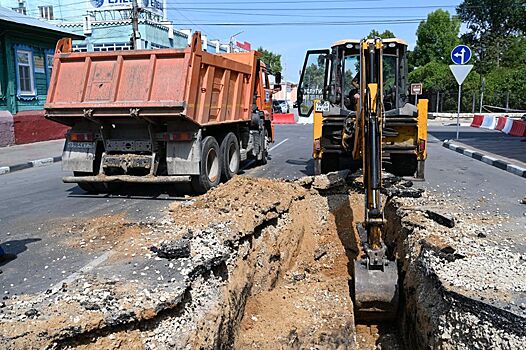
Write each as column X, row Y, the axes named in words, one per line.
column 446, row 102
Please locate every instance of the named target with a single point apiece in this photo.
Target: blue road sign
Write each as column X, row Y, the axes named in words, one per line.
column 461, row 54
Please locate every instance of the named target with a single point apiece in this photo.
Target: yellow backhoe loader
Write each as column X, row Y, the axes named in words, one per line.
column 357, row 95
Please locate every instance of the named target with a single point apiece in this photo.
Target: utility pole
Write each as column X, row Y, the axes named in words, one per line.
column 483, row 87
column 136, row 36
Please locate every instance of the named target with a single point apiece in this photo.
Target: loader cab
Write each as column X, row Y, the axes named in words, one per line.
column 333, row 75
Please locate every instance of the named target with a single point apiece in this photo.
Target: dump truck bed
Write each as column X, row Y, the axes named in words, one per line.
column 166, row 83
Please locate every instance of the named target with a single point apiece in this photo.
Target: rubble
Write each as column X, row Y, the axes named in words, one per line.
column 259, row 263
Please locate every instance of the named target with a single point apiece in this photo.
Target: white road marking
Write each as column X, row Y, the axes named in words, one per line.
column 279, row 144
column 86, row 268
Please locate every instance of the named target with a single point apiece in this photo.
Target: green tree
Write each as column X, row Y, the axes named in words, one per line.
column 436, row 37
column 492, row 26
column 385, row 35
column 271, row 60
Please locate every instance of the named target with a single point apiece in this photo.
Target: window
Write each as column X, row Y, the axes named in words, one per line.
column 80, row 48
column 112, row 47
column 46, row 12
column 49, row 65
column 24, row 62
column 21, row 9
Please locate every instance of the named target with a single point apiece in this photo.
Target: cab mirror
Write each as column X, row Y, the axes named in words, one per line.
column 277, row 78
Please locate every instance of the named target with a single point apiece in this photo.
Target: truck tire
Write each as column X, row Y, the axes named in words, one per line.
column 230, row 156
column 264, row 151
column 210, row 165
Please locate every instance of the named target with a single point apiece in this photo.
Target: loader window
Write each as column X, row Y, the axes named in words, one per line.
column 390, row 77
column 312, row 81
column 351, row 78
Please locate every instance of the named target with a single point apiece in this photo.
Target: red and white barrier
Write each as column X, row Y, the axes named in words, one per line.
column 477, row 121
column 489, row 122
column 518, row 128
column 507, row 125
column 285, row 118
column 501, row 123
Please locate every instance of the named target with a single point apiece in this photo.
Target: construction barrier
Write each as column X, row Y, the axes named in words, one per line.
column 489, row 122
column 518, row 128
column 505, row 124
column 285, row 118
column 501, row 123
column 477, row 121
column 509, row 123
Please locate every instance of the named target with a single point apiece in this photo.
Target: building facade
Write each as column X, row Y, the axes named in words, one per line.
column 27, row 46
column 107, row 24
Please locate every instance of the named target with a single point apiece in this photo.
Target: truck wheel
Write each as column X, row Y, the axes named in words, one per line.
column 210, row 165
column 230, row 157
column 264, row 151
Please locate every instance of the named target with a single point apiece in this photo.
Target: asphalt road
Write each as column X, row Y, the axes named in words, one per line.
column 36, row 207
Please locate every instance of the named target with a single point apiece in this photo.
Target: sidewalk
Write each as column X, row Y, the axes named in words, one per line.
column 496, row 158
column 14, row 158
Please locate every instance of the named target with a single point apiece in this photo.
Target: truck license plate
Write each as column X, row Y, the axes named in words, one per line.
column 81, row 145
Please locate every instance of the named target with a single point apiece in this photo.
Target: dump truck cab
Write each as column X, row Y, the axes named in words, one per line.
column 331, row 77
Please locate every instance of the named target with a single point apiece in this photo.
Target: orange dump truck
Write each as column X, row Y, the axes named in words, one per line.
column 159, row 116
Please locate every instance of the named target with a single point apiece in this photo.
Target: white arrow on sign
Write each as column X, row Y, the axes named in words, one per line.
column 461, row 55
column 460, row 72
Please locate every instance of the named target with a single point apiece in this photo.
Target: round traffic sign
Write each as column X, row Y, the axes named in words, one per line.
column 461, row 54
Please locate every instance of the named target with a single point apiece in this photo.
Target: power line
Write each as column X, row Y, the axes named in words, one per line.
column 317, row 9
column 273, row 2
column 327, row 23
column 293, row 15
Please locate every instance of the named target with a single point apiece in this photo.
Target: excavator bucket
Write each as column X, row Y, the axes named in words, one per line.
column 375, row 292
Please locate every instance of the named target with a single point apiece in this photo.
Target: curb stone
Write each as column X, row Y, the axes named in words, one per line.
column 498, row 163
column 31, row 164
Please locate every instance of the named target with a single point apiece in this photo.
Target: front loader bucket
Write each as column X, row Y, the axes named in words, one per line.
column 375, row 292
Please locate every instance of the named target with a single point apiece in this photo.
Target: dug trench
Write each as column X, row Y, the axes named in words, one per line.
column 264, row 264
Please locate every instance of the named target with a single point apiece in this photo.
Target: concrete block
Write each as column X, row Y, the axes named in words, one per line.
column 7, row 129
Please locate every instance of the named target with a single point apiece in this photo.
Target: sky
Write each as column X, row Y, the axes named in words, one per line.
column 291, row 27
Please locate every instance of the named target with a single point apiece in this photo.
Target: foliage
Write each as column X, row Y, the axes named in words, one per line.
column 271, row 60
column 385, row 35
column 493, row 28
column 436, row 37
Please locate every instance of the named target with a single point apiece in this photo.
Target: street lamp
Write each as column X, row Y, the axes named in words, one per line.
column 232, row 40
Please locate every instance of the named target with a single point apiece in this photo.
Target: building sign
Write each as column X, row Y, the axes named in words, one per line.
column 150, row 5
column 245, row 46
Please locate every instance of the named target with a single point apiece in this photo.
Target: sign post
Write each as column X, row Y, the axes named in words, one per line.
column 416, row 90
column 460, row 55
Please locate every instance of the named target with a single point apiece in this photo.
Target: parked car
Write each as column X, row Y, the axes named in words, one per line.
column 278, row 107
column 284, row 106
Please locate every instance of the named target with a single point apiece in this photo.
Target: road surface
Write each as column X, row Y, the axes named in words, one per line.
column 36, row 208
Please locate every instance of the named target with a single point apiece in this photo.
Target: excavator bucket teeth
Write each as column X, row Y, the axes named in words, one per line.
column 375, row 293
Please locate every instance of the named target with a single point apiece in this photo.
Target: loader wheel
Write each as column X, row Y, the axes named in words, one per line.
column 404, row 164
column 329, row 164
column 230, row 157
column 210, row 165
